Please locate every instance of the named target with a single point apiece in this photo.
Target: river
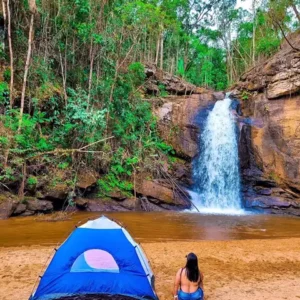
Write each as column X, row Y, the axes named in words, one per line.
column 154, row 227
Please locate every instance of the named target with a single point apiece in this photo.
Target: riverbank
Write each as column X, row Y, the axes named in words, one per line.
column 233, row 270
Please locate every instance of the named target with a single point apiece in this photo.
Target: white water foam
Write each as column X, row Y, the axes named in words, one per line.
column 213, row 210
column 216, row 170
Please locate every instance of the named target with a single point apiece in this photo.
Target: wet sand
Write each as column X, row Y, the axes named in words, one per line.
column 233, row 270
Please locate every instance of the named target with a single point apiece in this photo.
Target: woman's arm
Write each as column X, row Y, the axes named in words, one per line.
column 176, row 283
column 201, row 281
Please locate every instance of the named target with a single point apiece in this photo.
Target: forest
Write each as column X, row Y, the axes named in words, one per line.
column 73, row 71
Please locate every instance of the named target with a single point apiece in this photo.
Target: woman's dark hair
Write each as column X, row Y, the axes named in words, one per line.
column 192, row 269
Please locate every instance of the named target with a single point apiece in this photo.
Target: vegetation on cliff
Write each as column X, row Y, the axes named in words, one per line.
column 72, row 77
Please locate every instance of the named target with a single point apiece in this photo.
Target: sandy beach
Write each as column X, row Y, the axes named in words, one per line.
column 235, row 270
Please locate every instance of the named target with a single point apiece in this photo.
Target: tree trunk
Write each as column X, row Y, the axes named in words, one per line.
column 4, row 11
column 22, row 186
column 157, row 50
column 162, row 51
column 254, row 29
column 11, row 56
column 92, row 56
column 296, row 11
column 284, row 35
column 30, row 39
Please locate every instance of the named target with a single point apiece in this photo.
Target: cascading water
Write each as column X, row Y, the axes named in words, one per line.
column 216, row 170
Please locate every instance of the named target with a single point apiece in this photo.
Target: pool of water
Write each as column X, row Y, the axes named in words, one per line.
column 154, row 227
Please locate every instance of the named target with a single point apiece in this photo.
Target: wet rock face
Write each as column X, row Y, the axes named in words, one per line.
column 180, row 120
column 274, row 148
column 270, row 168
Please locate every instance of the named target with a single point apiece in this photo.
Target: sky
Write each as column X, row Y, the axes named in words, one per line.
column 246, row 4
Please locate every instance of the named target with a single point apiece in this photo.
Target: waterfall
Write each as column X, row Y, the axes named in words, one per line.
column 216, row 170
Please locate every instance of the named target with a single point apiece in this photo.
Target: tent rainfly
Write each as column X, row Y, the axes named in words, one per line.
column 99, row 260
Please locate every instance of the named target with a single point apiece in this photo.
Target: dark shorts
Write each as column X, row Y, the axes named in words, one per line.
column 198, row 295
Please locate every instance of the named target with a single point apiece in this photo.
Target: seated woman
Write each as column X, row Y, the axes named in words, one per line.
column 189, row 281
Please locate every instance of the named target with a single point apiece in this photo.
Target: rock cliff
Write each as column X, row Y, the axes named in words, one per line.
column 181, row 118
column 270, row 153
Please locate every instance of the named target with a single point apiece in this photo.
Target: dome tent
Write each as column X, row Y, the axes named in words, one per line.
column 99, row 260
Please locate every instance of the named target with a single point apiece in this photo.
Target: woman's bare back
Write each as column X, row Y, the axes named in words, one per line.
column 186, row 285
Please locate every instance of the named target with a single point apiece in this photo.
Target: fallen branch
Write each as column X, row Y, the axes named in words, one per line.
column 5, row 186
column 59, row 151
column 111, row 137
column 167, row 176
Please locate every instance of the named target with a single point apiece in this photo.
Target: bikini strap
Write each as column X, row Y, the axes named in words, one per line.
column 180, row 277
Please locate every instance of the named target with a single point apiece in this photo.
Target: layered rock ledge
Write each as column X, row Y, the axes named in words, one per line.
column 270, row 153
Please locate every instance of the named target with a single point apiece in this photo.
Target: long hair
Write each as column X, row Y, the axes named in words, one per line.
column 192, row 269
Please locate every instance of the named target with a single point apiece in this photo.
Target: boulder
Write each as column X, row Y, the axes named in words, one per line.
column 104, row 205
column 81, row 203
column 155, row 190
column 58, row 192
column 86, row 178
column 131, row 203
column 116, row 195
column 162, row 192
column 20, row 209
column 28, row 213
column 39, row 205
column 148, row 205
column 7, row 208
column 219, row 96
column 8, row 203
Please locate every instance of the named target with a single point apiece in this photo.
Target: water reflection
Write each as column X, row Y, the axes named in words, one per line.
column 153, row 227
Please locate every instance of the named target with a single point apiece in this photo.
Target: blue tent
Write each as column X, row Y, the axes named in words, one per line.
column 98, row 258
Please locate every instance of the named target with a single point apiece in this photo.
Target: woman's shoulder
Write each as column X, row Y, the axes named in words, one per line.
column 180, row 271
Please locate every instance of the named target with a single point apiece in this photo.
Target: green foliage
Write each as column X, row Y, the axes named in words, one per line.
column 84, row 85
column 63, row 165
column 245, row 95
column 111, row 182
column 32, row 181
column 4, row 93
column 136, row 73
column 4, row 142
column 268, row 45
column 7, row 175
column 167, row 149
column 28, row 138
column 162, row 90
column 6, row 75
